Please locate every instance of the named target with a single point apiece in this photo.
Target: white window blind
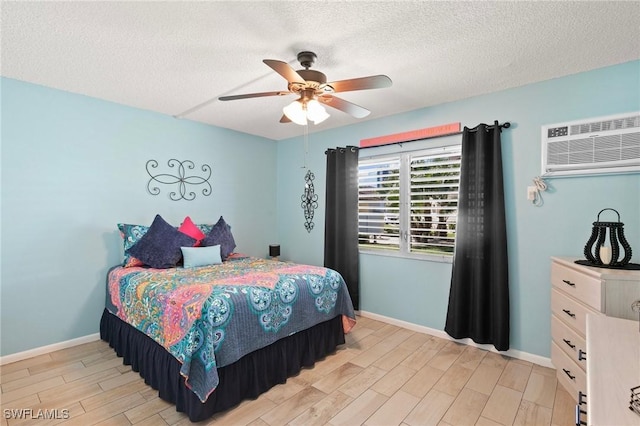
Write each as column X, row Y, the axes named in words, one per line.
column 435, row 181
column 408, row 202
column 379, row 203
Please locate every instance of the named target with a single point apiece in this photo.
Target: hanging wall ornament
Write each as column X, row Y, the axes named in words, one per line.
column 180, row 179
column 309, row 200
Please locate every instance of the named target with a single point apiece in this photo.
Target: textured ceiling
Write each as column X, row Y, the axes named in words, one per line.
column 178, row 57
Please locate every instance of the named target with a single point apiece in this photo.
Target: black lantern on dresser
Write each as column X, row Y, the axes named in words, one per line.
column 616, row 254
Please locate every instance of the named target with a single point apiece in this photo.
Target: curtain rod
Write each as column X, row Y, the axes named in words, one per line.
column 504, row 125
column 342, row 149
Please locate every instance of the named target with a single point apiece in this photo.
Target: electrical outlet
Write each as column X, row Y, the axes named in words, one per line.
column 531, row 193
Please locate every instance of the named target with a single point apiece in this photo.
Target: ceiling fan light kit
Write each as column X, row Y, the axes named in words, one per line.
column 299, row 111
column 313, row 90
column 316, row 112
column 295, row 112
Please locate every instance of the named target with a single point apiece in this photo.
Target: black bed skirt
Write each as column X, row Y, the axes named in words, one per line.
column 246, row 378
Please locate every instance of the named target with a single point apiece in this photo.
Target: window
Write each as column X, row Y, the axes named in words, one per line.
column 408, row 202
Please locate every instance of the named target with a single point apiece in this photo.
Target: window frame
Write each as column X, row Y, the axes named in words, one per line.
column 405, row 157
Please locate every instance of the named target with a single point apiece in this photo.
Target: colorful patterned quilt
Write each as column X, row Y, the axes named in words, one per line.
column 211, row 316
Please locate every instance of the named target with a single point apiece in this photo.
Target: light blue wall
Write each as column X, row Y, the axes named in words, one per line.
column 417, row 291
column 72, row 168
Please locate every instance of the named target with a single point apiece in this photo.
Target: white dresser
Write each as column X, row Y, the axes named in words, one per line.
column 578, row 291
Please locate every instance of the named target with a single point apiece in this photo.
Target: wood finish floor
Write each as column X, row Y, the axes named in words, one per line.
column 383, row 375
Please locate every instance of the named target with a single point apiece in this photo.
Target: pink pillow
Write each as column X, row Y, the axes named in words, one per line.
column 189, row 228
column 132, row 261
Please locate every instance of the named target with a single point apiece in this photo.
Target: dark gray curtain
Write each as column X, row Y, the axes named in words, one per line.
column 341, row 218
column 479, row 294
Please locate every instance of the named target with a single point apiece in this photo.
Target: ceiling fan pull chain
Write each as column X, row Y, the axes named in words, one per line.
column 306, row 144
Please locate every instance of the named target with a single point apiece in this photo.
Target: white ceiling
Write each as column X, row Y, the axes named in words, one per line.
column 176, row 57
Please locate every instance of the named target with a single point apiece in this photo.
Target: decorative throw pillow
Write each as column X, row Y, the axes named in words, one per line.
column 160, row 246
column 131, row 234
column 221, row 235
column 201, row 256
column 204, row 227
column 189, row 228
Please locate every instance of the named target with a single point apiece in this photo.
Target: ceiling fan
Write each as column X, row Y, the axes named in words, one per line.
column 313, row 90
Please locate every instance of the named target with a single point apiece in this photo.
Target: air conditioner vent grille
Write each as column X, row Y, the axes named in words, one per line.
column 595, row 150
column 598, row 145
column 631, row 140
column 629, row 122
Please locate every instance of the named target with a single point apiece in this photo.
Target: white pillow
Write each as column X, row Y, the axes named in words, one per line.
column 201, row 256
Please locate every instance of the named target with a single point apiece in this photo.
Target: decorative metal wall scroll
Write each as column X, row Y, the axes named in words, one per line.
column 179, row 179
column 309, row 200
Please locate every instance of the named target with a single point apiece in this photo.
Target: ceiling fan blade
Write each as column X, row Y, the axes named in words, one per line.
column 345, row 106
column 285, row 70
column 252, row 95
column 362, row 83
column 284, row 119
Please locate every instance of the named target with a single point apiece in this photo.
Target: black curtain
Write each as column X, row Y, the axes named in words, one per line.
column 341, row 218
column 479, row 294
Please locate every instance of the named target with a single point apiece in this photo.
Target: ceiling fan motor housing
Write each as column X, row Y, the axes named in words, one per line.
column 314, row 79
column 313, row 76
column 307, row 59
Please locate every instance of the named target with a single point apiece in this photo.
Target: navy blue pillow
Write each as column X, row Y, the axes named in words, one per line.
column 160, row 246
column 221, row 235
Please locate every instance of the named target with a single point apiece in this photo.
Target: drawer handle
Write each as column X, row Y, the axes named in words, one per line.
column 579, row 414
column 580, row 396
column 568, row 342
column 569, row 283
column 568, row 312
column 582, row 355
column 568, row 373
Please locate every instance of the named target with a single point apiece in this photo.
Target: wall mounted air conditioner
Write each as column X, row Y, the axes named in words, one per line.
column 598, row 145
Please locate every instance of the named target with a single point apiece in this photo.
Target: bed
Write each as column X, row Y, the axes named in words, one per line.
column 208, row 337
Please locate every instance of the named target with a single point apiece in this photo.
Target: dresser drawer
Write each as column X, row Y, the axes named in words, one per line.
column 572, row 377
column 570, row 311
column 584, row 288
column 569, row 341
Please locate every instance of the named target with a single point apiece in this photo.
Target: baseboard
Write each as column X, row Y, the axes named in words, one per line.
column 7, row 359
column 525, row 356
column 536, row 359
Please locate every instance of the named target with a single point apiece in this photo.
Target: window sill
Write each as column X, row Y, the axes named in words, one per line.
column 412, row 256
